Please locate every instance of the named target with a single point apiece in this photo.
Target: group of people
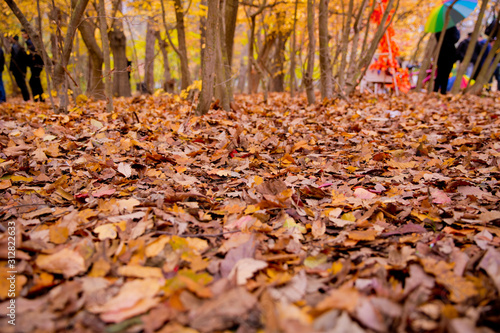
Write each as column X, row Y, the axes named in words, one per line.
column 20, row 60
column 449, row 54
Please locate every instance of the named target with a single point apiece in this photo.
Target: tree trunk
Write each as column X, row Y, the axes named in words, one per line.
column 149, row 78
column 324, row 52
column 106, row 56
column 95, row 86
column 426, row 62
column 243, row 71
column 253, row 77
column 209, row 54
column 181, row 38
column 486, row 71
column 344, row 48
column 470, row 49
column 231, row 15
column 277, row 79
column 168, row 82
column 118, row 44
column 308, row 77
column 203, row 33
column 223, row 82
column 294, row 51
column 76, row 18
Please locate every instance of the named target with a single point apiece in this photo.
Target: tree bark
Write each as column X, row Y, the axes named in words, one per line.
column 308, row 77
column 75, row 20
column 168, row 82
column 345, row 45
column 223, row 81
column 294, row 51
column 209, row 54
column 181, row 38
column 203, row 33
column 231, row 14
column 324, row 52
column 427, row 58
column 149, row 58
column 95, row 86
column 106, row 56
column 486, row 71
column 118, row 44
column 277, row 80
column 470, row 49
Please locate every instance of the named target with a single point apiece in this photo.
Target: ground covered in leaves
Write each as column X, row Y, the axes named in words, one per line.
column 373, row 215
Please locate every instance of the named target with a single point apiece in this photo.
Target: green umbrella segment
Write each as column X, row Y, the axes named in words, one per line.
column 460, row 10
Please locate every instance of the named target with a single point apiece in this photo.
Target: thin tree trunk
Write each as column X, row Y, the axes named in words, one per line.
column 95, row 86
column 76, row 18
column 486, row 71
column 355, row 40
column 252, row 72
column 326, row 75
column 294, row 51
column 209, row 54
column 427, row 58
column 243, row 69
column 470, row 50
column 106, row 56
column 277, row 73
column 168, row 83
column 203, row 33
column 44, row 57
column 345, row 46
column 417, row 49
column 308, row 78
column 231, row 14
column 149, row 56
column 222, row 81
column 362, row 65
column 118, row 44
column 181, row 38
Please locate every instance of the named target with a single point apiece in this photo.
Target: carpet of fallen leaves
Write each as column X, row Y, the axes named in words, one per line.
column 374, row 215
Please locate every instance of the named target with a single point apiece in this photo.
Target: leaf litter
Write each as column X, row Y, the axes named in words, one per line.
column 373, row 215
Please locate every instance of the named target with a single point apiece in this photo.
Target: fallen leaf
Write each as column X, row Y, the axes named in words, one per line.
column 66, row 262
column 245, row 268
column 125, row 169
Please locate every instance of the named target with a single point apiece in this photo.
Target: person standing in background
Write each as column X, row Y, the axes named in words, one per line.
column 18, row 60
column 36, row 67
column 3, row 97
column 447, row 57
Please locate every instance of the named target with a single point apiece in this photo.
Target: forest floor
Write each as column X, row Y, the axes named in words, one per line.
column 374, row 215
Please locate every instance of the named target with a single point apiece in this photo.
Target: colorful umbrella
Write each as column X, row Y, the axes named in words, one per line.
column 460, row 10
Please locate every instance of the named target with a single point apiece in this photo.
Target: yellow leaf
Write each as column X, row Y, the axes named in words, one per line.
column 58, row 235
column 251, row 209
column 39, row 132
column 349, row 217
column 157, row 246
column 313, row 262
column 106, row 231
column 364, row 235
column 100, row 268
column 140, row 271
column 21, row 179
